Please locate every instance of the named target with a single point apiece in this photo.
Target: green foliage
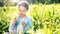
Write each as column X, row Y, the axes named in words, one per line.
column 46, row 18
column 5, row 17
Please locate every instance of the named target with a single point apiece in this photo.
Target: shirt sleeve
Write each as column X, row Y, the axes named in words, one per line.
column 29, row 24
column 12, row 26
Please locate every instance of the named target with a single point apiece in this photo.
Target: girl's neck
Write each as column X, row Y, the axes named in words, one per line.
column 22, row 16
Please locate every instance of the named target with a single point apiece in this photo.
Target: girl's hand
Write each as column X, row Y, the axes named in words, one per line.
column 23, row 23
column 15, row 20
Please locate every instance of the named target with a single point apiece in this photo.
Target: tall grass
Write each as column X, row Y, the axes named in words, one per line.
column 46, row 18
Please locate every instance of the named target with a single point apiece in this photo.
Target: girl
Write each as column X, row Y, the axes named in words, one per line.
column 21, row 23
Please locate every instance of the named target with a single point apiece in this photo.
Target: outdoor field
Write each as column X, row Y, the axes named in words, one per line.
column 45, row 18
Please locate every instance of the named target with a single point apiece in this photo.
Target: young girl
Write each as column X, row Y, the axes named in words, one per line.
column 21, row 23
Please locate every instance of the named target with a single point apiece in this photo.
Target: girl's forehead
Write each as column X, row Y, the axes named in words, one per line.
column 22, row 8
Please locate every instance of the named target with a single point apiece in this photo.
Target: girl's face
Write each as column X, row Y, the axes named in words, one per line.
column 22, row 10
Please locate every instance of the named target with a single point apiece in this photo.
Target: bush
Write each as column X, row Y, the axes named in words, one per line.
column 45, row 17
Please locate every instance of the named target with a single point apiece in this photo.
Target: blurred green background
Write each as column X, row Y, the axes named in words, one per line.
column 45, row 15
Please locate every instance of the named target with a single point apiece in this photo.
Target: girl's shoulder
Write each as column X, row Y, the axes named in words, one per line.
column 28, row 17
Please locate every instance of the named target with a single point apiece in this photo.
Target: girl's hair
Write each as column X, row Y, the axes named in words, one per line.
column 23, row 3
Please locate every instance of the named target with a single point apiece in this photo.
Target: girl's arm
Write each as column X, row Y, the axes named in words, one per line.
column 12, row 23
column 29, row 24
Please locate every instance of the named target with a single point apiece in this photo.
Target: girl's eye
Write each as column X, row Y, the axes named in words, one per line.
column 22, row 10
